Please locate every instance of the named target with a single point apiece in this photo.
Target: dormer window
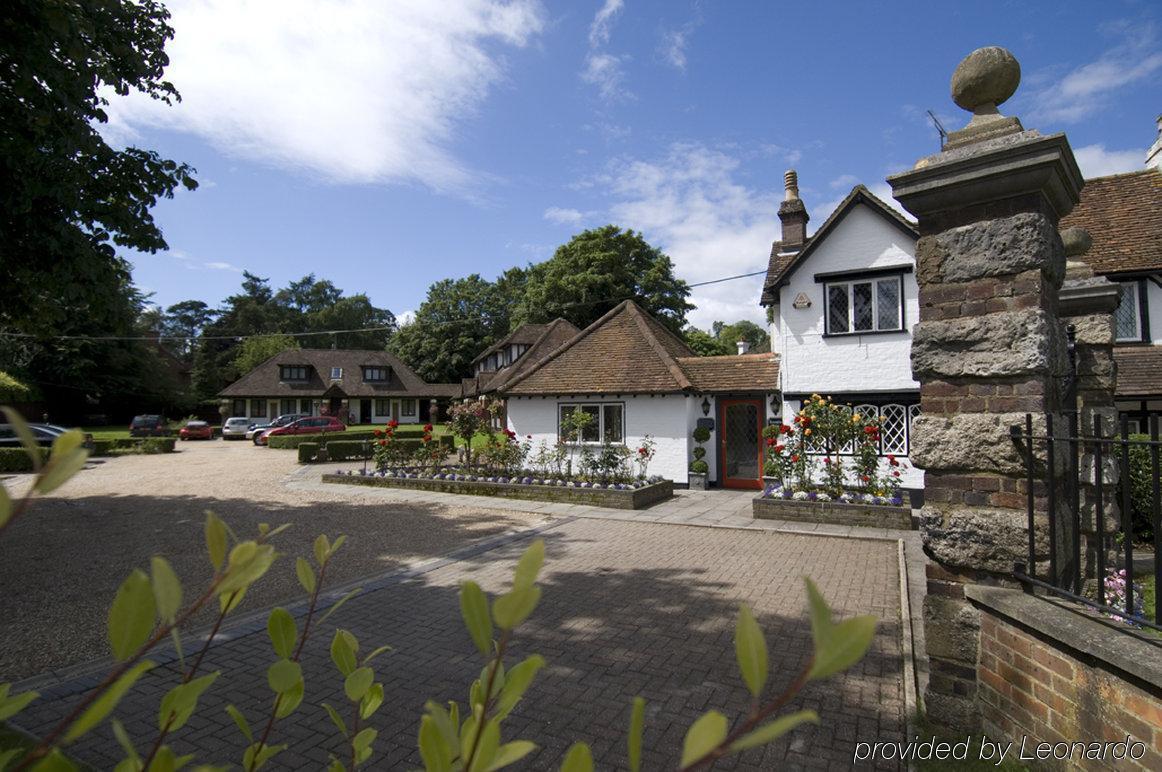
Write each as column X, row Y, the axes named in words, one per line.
column 376, row 374
column 293, row 372
column 336, row 373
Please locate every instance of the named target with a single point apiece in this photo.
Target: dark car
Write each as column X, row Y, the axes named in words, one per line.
column 44, row 434
column 314, row 425
column 149, row 426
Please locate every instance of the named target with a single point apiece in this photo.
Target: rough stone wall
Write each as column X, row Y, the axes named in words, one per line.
column 1035, row 689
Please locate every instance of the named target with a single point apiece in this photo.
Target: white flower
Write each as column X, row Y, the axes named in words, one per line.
column 800, row 496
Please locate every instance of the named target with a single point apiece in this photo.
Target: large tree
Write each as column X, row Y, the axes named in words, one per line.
column 598, row 269
column 459, row 319
column 254, row 351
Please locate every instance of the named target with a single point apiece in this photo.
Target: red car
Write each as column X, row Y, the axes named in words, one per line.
column 313, row 425
column 197, row 430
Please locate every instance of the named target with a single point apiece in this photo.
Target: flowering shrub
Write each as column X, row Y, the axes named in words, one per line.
column 609, row 462
column 848, row 497
column 389, row 451
column 503, row 452
column 1115, row 587
column 521, row 477
column 644, row 455
column 467, row 419
column 430, row 454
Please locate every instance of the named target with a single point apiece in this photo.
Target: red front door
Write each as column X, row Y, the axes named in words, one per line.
column 740, row 451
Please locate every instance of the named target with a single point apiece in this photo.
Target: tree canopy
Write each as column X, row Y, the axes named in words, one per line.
column 723, row 338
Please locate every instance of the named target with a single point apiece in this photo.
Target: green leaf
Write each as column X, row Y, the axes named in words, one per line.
column 247, row 563
column 55, row 761
column 283, row 675
column 375, row 653
column 364, row 739
column 60, row 470
column 517, row 682
column 131, row 616
column 5, row 506
column 637, row 720
column 487, row 746
column 215, row 540
column 280, row 626
column 336, row 719
column 228, row 601
column 358, row 682
column 180, row 702
column 167, row 589
column 510, row 753
column 371, row 701
column 104, row 705
column 335, row 547
column 578, row 759
column 241, row 722
column 67, row 442
column 514, row 607
column 268, row 752
column 336, row 766
column 474, row 610
column 176, row 638
column 343, row 649
column 837, row 646
column 124, row 741
column 278, row 529
column 434, row 749
column 339, row 604
column 321, row 547
column 306, row 575
column 845, row 645
column 10, row 706
column 751, row 650
column 289, row 700
column 529, row 564
column 774, row 730
column 20, row 426
column 703, row 736
column 447, row 723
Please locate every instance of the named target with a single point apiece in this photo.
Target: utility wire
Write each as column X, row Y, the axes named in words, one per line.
column 160, row 337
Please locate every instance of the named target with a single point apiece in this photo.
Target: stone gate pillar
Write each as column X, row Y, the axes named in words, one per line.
column 988, row 349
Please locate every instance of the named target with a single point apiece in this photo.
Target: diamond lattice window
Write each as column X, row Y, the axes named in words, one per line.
column 894, row 429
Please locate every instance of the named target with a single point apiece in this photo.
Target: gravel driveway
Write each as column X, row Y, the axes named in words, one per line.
column 61, row 564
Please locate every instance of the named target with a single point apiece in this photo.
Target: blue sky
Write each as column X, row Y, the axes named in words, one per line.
column 385, row 145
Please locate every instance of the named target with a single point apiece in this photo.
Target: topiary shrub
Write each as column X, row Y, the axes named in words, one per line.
column 699, row 467
column 307, row 451
column 16, row 460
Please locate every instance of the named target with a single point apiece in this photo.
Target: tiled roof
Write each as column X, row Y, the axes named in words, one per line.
column 780, row 267
column 1123, row 214
column 264, row 380
column 525, row 335
column 749, row 372
column 1139, row 371
column 627, row 351
column 551, row 337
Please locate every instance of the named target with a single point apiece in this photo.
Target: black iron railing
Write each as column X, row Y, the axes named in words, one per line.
column 1071, row 496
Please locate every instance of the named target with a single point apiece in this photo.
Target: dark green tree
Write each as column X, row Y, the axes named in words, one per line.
column 598, row 269
column 744, row 329
column 704, row 344
column 459, row 319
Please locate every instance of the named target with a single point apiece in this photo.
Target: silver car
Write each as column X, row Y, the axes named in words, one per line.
column 235, row 428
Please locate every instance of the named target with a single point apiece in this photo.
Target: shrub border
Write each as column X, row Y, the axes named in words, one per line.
column 638, row 498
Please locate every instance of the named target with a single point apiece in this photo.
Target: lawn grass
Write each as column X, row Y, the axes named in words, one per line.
column 106, row 432
column 438, row 430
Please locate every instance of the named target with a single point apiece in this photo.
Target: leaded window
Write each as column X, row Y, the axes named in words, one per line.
column 1127, row 318
column 293, row 372
column 872, row 305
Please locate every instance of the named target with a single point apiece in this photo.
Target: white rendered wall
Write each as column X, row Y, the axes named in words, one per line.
column 666, row 418
column 850, row 363
column 1154, row 310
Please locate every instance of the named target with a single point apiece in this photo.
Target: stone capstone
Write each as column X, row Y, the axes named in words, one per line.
column 1077, row 241
column 1006, row 245
column 985, row 78
column 979, row 538
column 999, row 345
column 977, row 442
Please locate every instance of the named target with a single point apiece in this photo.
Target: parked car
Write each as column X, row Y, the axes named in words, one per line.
column 149, row 426
column 254, row 430
column 283, row 420
column 43, row 436
column 58, row 429
column 310, row 425
column 196, row 430
column 235, row 428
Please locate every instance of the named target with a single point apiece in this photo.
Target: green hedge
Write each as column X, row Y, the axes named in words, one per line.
column 1141, row 488
column 349, row 450
column 14, row 460
column 133, row 446
column 292, row 441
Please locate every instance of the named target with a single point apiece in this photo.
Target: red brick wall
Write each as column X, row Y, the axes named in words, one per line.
column 1033, row 688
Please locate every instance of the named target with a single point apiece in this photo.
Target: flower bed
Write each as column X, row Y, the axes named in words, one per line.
column 638, row 494
column 849, row 508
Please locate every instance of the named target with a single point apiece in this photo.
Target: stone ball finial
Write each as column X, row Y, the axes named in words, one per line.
column 1077, row 241
column 985, row 78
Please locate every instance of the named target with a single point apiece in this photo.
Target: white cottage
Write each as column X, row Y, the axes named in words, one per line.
column 842, row 304
column 638, row 379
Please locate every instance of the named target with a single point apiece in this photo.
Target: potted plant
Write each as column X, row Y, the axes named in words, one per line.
column 699, row 469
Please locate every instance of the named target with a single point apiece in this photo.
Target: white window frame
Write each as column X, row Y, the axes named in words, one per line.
column 407, row 407
column 1133, row 290
column 569, row 407
column 336, row 373
column 849, row 285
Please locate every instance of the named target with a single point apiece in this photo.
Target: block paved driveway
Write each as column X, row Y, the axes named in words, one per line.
column 629, row 608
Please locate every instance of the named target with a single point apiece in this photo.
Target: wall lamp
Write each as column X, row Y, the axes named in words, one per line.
column 705, row 406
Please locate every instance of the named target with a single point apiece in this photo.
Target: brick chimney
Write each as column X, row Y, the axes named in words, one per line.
column 1154, row 154
column 743, row 347
column 793, row 215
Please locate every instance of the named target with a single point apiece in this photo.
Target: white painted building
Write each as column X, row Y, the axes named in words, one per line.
column 842, row 304
column 637, row 379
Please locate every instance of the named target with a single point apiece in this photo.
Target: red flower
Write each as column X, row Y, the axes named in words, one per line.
column 378, row 432
column 779, row 448
column 382, row 443
column 427, row 438
column 771, row 442
column 892, row 460
column 795, row 458
column 826, row 461
column 393, row 423
column 528, row 436
column 427, row 427
column 895, row 474
column 785, row 429
column 865, row 478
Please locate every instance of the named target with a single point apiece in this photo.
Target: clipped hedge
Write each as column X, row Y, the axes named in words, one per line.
column 292, row 441
column 353, row 450
column 16, row 460
column 133, row 446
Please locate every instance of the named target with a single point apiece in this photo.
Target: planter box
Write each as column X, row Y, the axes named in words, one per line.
column 834, row 513
column 638, row 498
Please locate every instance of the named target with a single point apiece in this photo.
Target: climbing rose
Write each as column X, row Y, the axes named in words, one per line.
column 382, row 443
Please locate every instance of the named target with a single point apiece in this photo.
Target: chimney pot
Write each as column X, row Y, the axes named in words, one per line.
column 791, row 185
column 793, row 214
column 743, row 347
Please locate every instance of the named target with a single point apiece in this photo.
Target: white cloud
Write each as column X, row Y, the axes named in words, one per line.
column 563, row 216
column 688, row 204
column 844, row 181
column 605, row 71
column 220, row 266
column 673, row 47
column 353, row 92
column 1096, row 161
column 405, row 317
column 1088, row 88
column 603, row 21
